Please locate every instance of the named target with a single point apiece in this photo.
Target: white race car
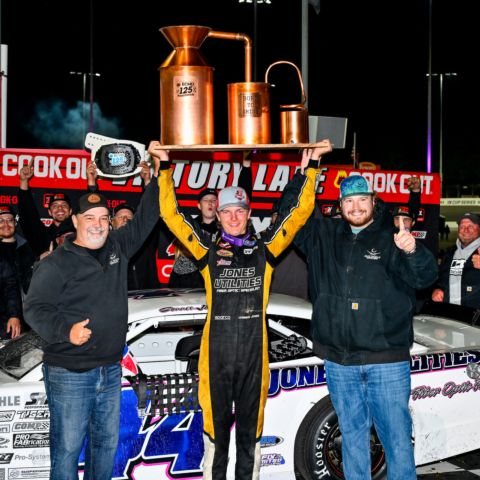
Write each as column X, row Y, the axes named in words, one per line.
column 161, row 422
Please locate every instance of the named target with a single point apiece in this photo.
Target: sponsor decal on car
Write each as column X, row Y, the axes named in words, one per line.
column 36, row 426
column 4, row 441
column 272, row 459
column 35, row 458
column 9, row 401
column 33, row 414
column 5, row 458
column 285, row 379
column 28, row 473
column 190, row 308
column 31, row 440
column 7, row 415
column 449, row 389
column 4, row 428
column 443, row 361
column 270, row 441
column 37, row 400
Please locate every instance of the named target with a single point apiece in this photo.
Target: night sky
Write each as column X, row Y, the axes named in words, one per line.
column 368, row 62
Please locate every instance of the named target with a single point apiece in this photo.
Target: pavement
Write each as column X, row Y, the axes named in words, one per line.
column 462, row 467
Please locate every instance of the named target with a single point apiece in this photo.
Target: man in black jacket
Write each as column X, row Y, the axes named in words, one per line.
column 10, row 301
column 362, row 280
column 77, row 302
column 38, row 235
column 15, row 248
column 459, row 279
column 142, row 267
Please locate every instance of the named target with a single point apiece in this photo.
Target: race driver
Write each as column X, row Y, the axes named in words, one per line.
column 236, row 265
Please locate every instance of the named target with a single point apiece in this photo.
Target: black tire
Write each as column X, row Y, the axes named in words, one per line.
column 318, row 446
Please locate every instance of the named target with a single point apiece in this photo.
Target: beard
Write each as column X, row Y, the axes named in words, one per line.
column 361, row 221
column 97, row 236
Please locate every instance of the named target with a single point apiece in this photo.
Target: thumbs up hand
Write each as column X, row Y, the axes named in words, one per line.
column 404, row 240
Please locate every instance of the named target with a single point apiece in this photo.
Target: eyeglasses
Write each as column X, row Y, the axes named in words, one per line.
column 10, row 221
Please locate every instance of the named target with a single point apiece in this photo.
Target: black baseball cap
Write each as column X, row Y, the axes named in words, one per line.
column 207, row 191
column 473, row 217
column 91, row 200
column 6, row 209
column 60, row 196
column 122, row 206
column 403, row 211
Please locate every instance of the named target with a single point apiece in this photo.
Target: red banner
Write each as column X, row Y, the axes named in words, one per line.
column 65, row 170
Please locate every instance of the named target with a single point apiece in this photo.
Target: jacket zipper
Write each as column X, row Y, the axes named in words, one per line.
column 347, row 296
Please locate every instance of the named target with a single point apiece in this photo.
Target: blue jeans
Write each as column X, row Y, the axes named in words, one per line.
column 83, row 405
column 378, row 393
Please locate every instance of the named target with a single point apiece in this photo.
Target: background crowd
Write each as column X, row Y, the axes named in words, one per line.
column 360, row 265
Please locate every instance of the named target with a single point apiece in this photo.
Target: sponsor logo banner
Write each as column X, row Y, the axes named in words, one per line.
column 33, row 414
column 35, row 426
column 28, row 473
column 7, row 415
column 6, row 458
column 31, row 440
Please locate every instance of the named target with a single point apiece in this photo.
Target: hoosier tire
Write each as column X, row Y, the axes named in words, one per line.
column 318, row 446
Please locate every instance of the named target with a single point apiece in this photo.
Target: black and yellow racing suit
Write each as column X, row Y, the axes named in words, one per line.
column 233, row 364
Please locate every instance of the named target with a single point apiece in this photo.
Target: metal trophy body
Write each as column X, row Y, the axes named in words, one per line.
column 186, row 89
column 293, row 118
column 248, row 113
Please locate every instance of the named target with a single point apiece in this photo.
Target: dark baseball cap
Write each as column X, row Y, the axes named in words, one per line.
column 6, row 209
column 207, row 191
column 91, row 200
column 403, row 211
column 60, row 197
column 473, row 217
column 122, row 206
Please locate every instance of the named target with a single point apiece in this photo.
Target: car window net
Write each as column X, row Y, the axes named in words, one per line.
column 166, row 394
column 20, row 356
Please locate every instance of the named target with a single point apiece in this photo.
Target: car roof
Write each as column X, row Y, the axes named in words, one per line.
column 170, row 302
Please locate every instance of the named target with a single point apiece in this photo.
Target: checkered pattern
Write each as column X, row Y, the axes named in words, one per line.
column 462, row 467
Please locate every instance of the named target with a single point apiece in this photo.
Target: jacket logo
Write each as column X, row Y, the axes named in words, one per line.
column 372, row 254
column 113, row 259
column 224, row 253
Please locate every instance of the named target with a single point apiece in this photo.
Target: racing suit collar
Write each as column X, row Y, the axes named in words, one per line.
column 237, row 241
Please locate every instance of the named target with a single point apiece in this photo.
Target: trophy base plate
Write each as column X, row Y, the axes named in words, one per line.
column 226, row 147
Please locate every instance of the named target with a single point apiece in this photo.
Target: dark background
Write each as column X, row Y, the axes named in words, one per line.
column 368, row 62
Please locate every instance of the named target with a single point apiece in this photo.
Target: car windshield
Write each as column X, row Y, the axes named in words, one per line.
column 443, row 333
column 20, row 356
